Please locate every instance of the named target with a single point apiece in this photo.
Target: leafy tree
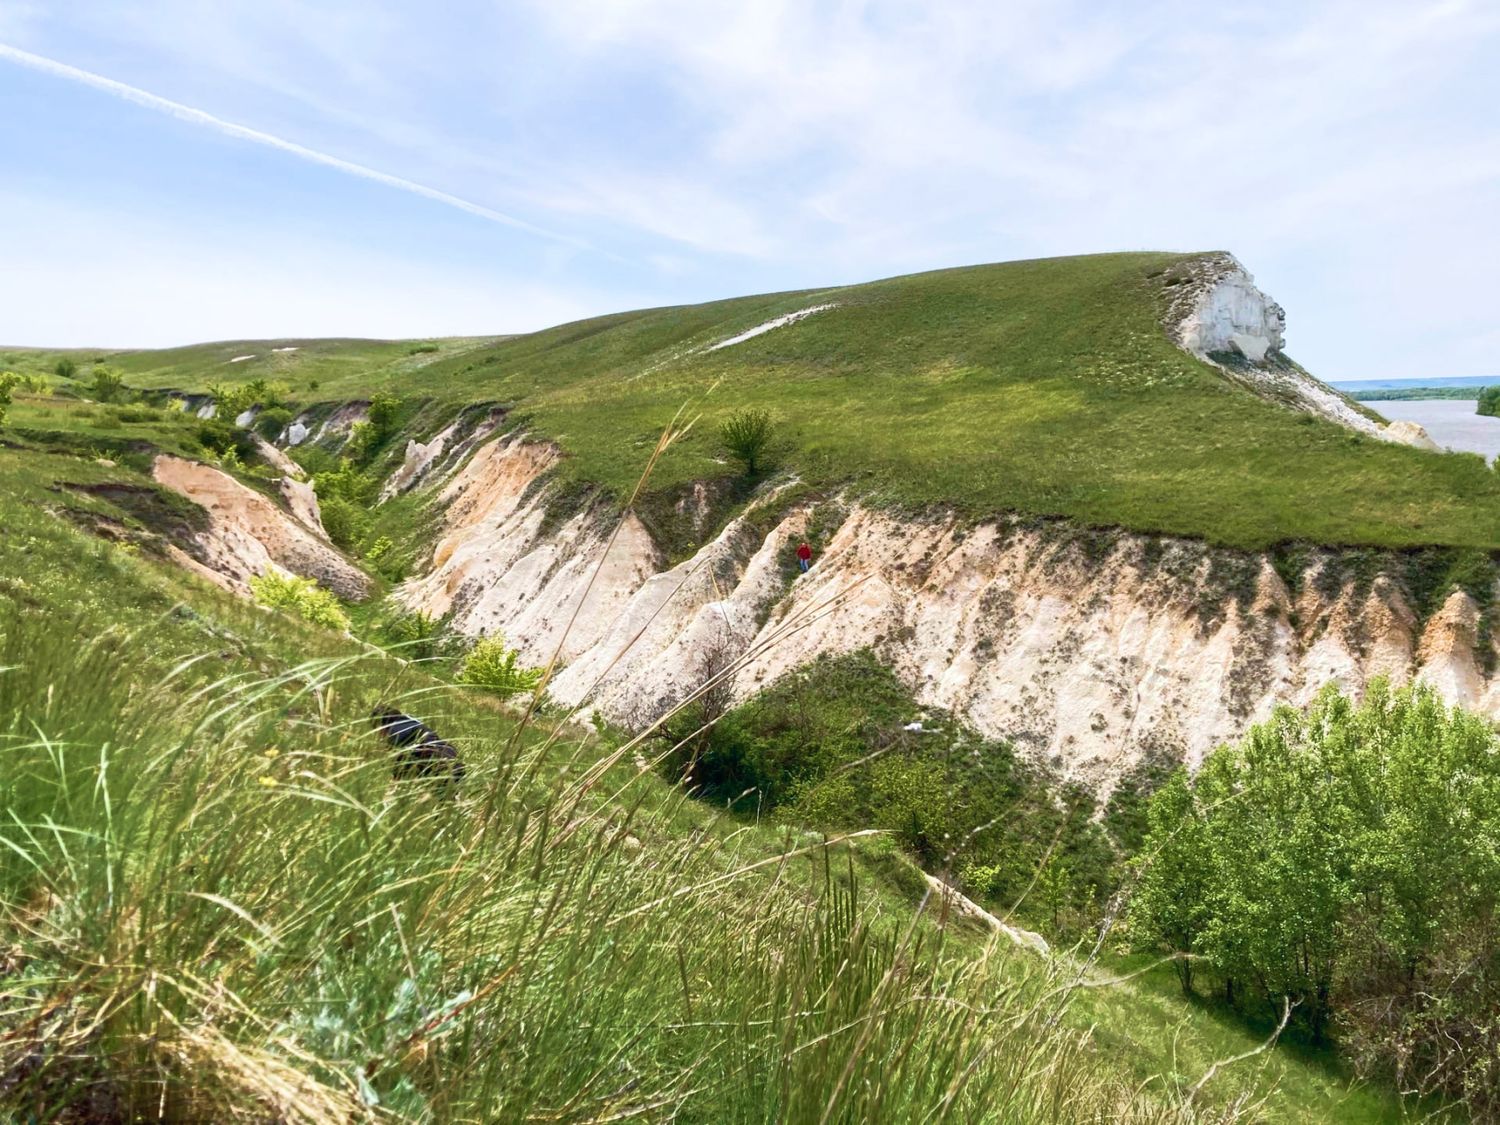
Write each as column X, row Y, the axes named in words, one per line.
column 65, row 368
column 9, row 380
column 1343, row 859
column 108, row 385
column 384, row 415
column 1489, row 401
column 270, row 422
column 747, row 435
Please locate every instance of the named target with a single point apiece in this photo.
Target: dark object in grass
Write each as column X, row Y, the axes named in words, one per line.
column 422, row 752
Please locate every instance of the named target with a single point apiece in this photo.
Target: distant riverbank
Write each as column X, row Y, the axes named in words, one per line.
column 1450, row 422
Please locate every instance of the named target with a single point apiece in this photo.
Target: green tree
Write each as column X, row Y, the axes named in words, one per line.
column 108, row 385
column 9, row 380
column 384, row 415
column 1489, row 401
column 65, row 368
column 1169, row 908
column 747, row 435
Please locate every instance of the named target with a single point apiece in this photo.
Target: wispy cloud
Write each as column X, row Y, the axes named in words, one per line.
column 148, row 100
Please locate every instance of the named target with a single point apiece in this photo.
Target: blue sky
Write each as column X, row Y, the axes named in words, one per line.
column 177, row 171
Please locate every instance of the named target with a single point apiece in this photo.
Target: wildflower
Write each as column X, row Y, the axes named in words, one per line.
column 273, row 753
column 268, row 781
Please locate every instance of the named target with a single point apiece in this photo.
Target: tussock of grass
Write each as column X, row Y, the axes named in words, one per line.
column 219, row 905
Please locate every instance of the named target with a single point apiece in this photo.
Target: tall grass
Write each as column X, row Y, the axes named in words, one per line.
column 217, row 905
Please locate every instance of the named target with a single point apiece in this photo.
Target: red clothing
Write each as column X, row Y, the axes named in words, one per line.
column 804, row 552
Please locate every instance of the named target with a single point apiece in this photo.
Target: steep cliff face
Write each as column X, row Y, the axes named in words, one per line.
column 1090, row 652
column 247, row 534
column 1216, row 312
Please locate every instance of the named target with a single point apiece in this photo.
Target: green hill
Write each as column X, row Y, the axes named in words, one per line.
column 216, row 905
column 1047, row 387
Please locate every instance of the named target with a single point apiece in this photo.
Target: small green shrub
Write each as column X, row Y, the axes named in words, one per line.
column 493, row 667
column 423, row 349
column 302, row 596
column 8, row 383
column 271, row 421
column 415, row 634
column 108, row 385
column 747, row 435
column 134, row 414
column 219, row 438
column 65, row 368
column 344, row 521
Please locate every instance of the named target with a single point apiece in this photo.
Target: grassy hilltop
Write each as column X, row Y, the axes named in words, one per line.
column 1046, row 387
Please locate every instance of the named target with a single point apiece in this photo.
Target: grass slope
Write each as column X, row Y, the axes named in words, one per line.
column 1045, row 387
column 215, row 905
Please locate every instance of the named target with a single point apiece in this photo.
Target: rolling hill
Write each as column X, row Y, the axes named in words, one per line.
column 1050, row 388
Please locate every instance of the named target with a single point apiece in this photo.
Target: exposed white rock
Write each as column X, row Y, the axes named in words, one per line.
column 342, row 420
column 241, row 358
column 302, row 501
column 1219, row 310
column 1089, row 663
column 494, row 570
column 1230, row 312
column 207, row 410
column 247, row 533
column 245, row 417
column 1411, row 433
column 419, row 458
column 275, row 458
column 775, row 322
column 296, row 434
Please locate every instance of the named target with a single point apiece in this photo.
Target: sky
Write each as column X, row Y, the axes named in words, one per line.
column 173, row 171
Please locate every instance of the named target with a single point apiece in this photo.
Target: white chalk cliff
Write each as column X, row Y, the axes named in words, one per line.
column 1088, row 658
column 1216, row 312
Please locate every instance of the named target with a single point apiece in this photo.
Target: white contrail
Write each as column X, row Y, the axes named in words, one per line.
column 255, row 136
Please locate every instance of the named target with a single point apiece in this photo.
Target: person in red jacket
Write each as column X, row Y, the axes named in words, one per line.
column 804, row 557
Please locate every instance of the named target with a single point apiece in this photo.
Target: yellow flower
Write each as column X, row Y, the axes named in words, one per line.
column 267, row 780
column 273, row 752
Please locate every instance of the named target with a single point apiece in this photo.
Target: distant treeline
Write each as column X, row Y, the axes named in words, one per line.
column 1417, row 392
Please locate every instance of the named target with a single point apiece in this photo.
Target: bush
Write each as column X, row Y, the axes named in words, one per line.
column 108, row 385
column 493, row 667
column 221, row 439
column 1333, row 859
column 302, row 596
column 423, row 349
column 1489, row 401
column 416, row 635
column 8, row 382
column 269, row 423
column 747, row 434
column 825, row 746
column 65, row 368
column 344, row 521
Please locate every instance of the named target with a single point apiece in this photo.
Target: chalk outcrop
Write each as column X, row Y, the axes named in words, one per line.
column 1088, row 652
column 247, row 534
column 1216, row 313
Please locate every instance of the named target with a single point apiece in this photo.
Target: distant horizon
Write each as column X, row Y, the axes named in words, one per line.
column 1406, row 383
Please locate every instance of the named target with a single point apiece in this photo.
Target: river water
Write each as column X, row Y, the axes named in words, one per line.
column 1451, row 422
